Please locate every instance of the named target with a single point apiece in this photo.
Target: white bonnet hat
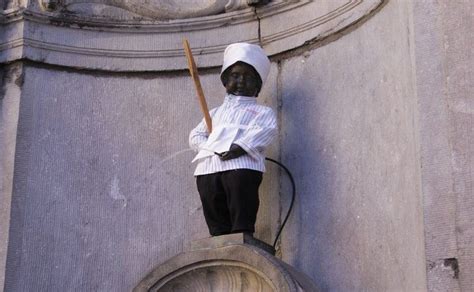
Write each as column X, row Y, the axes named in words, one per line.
column 251, row 54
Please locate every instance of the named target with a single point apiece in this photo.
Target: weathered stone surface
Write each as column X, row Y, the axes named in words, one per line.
column 137, row 44
column 102, row 191
column 226, row 263
column 157, row 9
column 238, row 238
column 310, row 21
column 444, row 67
column 349, row 134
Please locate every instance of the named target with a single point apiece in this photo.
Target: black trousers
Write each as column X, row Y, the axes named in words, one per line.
column 230, row 200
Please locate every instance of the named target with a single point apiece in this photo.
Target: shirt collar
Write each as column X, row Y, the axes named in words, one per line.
column 230, row 98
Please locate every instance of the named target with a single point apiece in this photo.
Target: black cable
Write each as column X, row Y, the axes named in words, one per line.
column 292, row 197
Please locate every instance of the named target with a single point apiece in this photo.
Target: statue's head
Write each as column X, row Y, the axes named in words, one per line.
column 244, row 69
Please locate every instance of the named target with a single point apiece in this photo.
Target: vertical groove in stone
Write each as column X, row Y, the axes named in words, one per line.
column 279, row 105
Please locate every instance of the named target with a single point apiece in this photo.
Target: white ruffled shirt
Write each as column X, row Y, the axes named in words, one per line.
column 238, row 120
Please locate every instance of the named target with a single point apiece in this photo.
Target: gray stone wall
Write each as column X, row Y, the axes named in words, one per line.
column 102, row 191
column 444, row 73
column 349, row 128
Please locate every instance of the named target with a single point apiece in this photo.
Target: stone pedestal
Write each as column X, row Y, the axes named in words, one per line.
column 235, row 262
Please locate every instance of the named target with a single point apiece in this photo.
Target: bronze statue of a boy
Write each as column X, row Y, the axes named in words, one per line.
column 231, row 159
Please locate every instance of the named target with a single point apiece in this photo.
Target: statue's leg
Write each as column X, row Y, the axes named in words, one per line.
column 214, row 203
column 241, row 187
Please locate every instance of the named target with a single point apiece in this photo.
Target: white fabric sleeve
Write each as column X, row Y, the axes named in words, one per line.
column 198, row 136
column 259, row 134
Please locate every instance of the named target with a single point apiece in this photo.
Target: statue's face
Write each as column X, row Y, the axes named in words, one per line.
column 243, row 80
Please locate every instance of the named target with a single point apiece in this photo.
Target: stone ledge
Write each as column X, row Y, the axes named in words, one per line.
column 231, row 239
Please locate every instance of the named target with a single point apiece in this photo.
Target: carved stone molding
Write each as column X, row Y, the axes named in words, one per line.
column 151, row 9
column 141, row 44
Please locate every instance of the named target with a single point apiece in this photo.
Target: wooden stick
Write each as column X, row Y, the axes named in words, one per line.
column 197, row 83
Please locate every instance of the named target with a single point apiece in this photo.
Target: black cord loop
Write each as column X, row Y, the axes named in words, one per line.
column 293, row 195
